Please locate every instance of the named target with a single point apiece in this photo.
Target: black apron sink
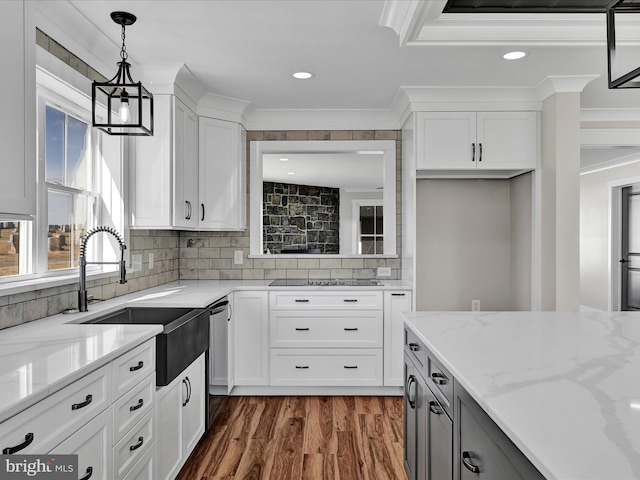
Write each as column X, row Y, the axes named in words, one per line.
column 184, row 337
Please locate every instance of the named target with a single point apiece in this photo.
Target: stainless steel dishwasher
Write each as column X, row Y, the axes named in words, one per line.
column 219, row 316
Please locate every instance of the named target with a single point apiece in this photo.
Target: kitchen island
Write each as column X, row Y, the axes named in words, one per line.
column 563, row 387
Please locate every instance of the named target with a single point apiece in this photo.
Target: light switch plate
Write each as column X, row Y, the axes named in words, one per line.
column 475, row 305
column 238, row 259
column 384, row 272
column 136, row 262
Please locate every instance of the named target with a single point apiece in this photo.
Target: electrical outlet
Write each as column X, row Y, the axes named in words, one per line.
column 238, row 259
column 136, row 262
column 384, row 272
column 475, row 305
column 151, row 261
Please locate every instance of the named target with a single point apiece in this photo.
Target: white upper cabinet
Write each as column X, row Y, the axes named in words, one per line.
column 185, row 167
column 222, row 166
column 495, row 141
column 17, row 122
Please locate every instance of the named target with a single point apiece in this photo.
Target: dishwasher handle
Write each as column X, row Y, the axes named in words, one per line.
column 218, row 307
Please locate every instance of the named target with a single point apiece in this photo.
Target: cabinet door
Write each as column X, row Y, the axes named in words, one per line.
column 484, row 450
column 394, row 304
column 251, row 338
column 150, row 185
column 169, row 441
column 222, row 175
column 94, row 446
column 17, row 96
column 507, row 140
column 440, row 441
column 410, row 413
column 185, row 165
column 445, row 140
column 193, row 405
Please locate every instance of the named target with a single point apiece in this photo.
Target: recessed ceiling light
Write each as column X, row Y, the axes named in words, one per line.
column 291, row 173
column 284, row 159
column 515, row 55
column 302, row 75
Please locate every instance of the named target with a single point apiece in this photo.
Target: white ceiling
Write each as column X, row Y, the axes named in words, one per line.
column 351, row 171
column 247, row 49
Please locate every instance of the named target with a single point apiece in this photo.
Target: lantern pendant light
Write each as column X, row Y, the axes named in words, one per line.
column 129, row 105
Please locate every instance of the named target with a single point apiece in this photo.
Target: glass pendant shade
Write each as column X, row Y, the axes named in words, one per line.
column 129, row 105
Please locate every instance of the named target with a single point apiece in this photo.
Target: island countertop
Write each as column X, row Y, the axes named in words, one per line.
column 564, row 387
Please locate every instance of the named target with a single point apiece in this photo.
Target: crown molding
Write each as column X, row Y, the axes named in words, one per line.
column 223, row 108
column 563, row 84
column 406, row 18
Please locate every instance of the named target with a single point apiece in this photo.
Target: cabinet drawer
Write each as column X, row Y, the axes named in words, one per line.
column 326, row 367
column 133, row 405
column 134, row 445
column 42, row 426
column 93, row 444
column 441, row 382
column 145, row 469
column 334, row 328
column 416, row 350
column 340, row 299
column 133, row 366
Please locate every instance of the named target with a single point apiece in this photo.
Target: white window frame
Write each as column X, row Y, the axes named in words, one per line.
column 355, row 215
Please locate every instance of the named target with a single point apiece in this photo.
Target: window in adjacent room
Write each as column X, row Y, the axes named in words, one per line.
column 370, row 235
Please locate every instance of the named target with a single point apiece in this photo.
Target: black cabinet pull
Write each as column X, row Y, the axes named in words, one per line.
column 88, row 475
column 473, row 152
column 410, row 381
column 137, row 445
column 137, row 367
column 434, row 407
column 439, row 378
column 349, row 329
column 190, row 389
column 305, row 329
column 480, row 154
column 28, row 439
column 188, row 214
column 414, row 347
column 87, row 401
column 202, row 204
column 466, row 461
column 187, row 384
column 302, row 367
column 301, row 300
column 136, row 406
column 397, row 294
column 350, row 300
column 350, row 366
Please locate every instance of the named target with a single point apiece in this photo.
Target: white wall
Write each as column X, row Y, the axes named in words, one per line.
column 595, row 231
column 521, row 196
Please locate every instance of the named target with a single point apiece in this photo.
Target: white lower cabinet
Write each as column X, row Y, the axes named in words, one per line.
column 106, row 417
column 93, row 444
column 395, row 302
column 181, row 418
column 249, row 333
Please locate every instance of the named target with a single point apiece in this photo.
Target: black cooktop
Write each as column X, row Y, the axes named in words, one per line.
column 325, row 282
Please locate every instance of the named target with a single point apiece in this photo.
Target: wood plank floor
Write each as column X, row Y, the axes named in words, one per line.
column 291, row 438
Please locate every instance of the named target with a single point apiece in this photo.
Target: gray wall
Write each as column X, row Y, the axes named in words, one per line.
column 469, row 247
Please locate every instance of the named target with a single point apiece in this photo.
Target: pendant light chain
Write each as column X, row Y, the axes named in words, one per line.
column 123, row 53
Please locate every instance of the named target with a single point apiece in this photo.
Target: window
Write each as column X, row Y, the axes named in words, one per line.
column 370, row 231
column 69, row 173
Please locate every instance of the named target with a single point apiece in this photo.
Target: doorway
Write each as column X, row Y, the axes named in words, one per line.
column 630, row 248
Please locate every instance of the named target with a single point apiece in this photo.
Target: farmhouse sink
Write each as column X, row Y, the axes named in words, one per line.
column 184, row 337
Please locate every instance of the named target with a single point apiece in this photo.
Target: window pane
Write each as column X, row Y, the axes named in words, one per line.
column 367, row 245
column 379, row 222
column 77, row 173
column 10, row 248
column 367, row 220
column 59, row 233
column 54, row 146
column 379, row 245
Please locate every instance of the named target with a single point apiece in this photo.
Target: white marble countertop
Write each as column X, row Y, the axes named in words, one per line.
column 565, row 387
column 41, row 357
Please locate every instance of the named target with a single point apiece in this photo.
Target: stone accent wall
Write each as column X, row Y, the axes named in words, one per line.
column 301, row 217
column 40, row 303
column 209, row 255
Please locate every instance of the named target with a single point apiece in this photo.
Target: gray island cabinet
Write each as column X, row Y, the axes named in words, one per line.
column 447, row 434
